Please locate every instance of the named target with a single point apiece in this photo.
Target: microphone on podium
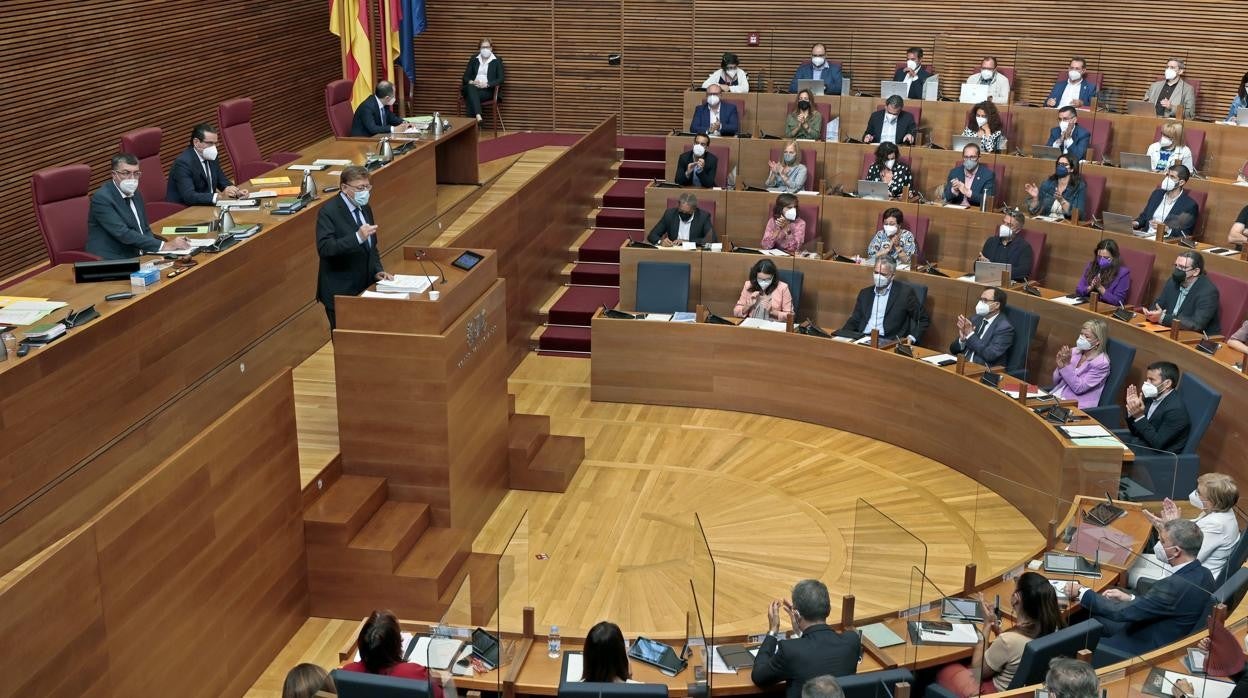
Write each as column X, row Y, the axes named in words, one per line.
column 421, row 256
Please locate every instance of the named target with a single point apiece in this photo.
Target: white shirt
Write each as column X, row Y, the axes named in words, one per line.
column 888, row 132
column 1163, row 209
column 1161, row 163
column 683, row 228
column 133, row 209
column 1221, row 533
column 483, row 69
column 878, row 306
column 713, row 112
column 998, row 89
column 1070, row 94
column 207, row 168
column 352, row 208
column 743, row 81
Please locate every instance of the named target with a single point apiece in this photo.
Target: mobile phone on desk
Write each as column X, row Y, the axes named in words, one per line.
column 329, row 190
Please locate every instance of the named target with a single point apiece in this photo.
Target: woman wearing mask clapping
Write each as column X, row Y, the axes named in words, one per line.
column 892, row 240
column 1214, row 499
column 788, row 175
column 984, row 122
column 1081, row 372
column 805, row 121
column 1060, row 194
column 764, row 295
column 889, row 168
column 784, row 231
column 1105, row 275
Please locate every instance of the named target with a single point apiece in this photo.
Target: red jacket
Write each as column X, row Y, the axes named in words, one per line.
column 402, row 670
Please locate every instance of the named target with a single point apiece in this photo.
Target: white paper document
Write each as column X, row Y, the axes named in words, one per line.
column 236, row 203
column 718, row 666
column 1205, row 688
column 307, row 168
column 436, row 653
column 658, row 317
column 406, row 283
column 962, row 633
column 575, row 667
column 199, row 242
column 336, row 162
column 1067, row 300
column 939, row 359
column 1090, row 431
column 28, row 312
column 775, row 253
column 375, row 294
column 761, row 324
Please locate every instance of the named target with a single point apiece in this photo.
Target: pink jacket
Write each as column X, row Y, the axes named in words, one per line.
column 792, row 243
column 1082, row 383
column 781, row 301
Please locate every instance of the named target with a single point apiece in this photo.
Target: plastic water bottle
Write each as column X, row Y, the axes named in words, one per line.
column 553, row 644
column 437, row 125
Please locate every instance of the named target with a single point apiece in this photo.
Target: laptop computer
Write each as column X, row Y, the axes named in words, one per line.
column 888, row 88
column 1046, row 152
column 1141, row 107
column 873, row 190
column 1118, row 223
column 959, row 141
column 989, row 273
column 1135, row 161
column 815, row 86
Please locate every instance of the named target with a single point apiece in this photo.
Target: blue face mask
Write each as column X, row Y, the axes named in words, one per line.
column 361, row 197
column 1062, row 171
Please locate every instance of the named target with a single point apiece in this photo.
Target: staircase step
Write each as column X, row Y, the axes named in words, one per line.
column 626, row 193
column 642, row 169
column 525, row 435
column 553, row 468
column 596, row 274
column 652, row 154
column 578, row 304
column 564, row 339
column 603, row 245
column 629, row 218
column 339, row 514
column 435, row 560
column 389, row 535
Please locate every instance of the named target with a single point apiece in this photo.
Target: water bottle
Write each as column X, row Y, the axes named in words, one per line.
column 553, row 644
column 437, row 125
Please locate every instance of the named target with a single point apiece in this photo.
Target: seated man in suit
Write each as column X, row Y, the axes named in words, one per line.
column 1071, row 678
column 1006, row 247
column 1169, row 610
column 684, row 223
column 969, row 182
column 892, row 124
column 888, row 305
column 1189, row 297
column 715, row 117
column 817, row 68
column 346, row 241
column 818, row 651
column 196, row 178
column 1156, row 417
column 1172, row 92
column 696, row 167
column 986, row 339
column 1170, row 206
column 117, row 226
column 822, row 687
column 1075, row 90
column 375, row 116
column 914, row 73
column 1068, row 135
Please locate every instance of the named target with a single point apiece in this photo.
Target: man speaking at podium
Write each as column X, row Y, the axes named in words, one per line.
column 346, row 241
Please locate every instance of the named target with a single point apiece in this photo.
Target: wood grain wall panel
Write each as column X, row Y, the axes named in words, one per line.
column 79, row 73
column 587, row 90
column 658, row 51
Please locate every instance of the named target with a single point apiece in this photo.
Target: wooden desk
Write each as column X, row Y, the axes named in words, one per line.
column 455, row 149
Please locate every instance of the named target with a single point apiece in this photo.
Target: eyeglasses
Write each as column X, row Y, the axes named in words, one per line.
column 127, row 175
column 359, row 187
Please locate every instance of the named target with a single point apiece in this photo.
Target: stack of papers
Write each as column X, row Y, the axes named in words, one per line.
column 658, row 317
column 1067, row 300
column 407, row 283
column 775, row 253
column 1086, row 432
column 960, row 634
column 761, row 324
column 940, row 359
column 436, row 652
column 684, row 317
column 46, row 333
column 236, row 203
column 375, row 294
column 27, row 312
column 880, row 635
column 307, row 168
column 331, row 161
column 270, row 180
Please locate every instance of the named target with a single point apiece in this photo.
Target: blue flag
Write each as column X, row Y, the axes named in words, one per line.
column 413, row 23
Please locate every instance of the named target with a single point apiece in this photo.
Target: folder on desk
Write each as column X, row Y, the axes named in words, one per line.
column 434, row 652
column 735, row 656
column 881, row 635
column 270, row 180
column 925, row 633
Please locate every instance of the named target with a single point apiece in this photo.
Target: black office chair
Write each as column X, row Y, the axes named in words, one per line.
column 662, row 287
column 1238, row 557
column 356, row 684
column 1229, row 592
column 793, row 279
column 920, row 290
column 1025, row 323
column 1108, row 412
column 874, row 684
column 1066, row 642
column 1165, row 475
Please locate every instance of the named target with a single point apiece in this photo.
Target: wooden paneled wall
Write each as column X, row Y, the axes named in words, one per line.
column 555, row 51
column 77, row 74
column 187, row 584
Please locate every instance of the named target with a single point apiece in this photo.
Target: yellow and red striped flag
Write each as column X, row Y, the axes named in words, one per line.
column 348, row 20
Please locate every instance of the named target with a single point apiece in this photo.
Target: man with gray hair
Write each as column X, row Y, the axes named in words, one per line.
column 817, row 651
column 683, row 223
column 1173, row 92
column 822, row 687
column 1071, row 678
column 890, row 306
column 1169, row 610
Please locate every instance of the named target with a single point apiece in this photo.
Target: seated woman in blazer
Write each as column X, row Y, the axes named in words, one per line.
column 1060, row 194
column 1105, row 274
column 784, row 231
column 1081, row 372
column 805, row 121
column 764, row 295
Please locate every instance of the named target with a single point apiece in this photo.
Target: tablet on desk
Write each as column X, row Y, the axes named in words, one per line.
column 467, row 260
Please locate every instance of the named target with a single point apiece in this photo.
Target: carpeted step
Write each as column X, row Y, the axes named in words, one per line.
column 658, row 154
column 564, row 339
column 626, row 193
column 603, row 245
column 643, row 147
column 578, row 303
column 564, row 354
column 628, row 218
column 596, row 274
column 642, row 169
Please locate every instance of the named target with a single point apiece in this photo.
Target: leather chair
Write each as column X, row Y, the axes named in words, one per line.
column 145, row 145
column 808, row 159
column 917, row 225
column 1000, row 190
column 234, row 117
column 1238, row 557
column 1025, row 323
column 1066, row 642
column 1102, row 137
column 488, row 105
column 1107, row 411
column 1193, row 138
column 723, row 161
column 874, row 684
column 1141, row 266
column 662, row 287
column 1202, row 216
column 808, row 212
column 1232, row 301
column 338, row 107
column 1039, row 251
column 1094, row 196
column 793, row 278
column 1165, row 475
column 357, row 684
column 62, row 202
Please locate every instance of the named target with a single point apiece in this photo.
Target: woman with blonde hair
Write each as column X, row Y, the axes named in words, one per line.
column 788, row 175
column 1081, row 372
column 1170, row 150
column 1214, row 498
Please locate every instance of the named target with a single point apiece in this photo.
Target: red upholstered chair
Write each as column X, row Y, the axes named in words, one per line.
column 1037, row 242
column 1232, row 301
column 338, row 107
column 868, row 159
column 1009, row 75
column 808, row 159
column 1141, row 266
column 61, row 207
column 723, row 162
column 1007, row 126
column 1094, row 196
column 808, row 211
column 491, row 104
column 1001, row 190
column 915, row 224
column 1193, row 138
column 145, row 145
column 234, row 117
column 1202, row 198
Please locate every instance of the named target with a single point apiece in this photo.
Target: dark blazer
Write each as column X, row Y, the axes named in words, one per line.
column 985, row 182
column 1169, row 610
column 373, row 120
column 831, row 77
column 1079, row 141
column 187, row 183
column 493, row 74
column 875, row 126
column 990, row 349
column 705, row 178
column 700, row 230
column 820, row 650
column 729, row 122
column 916, row 87
column 903, row 316
column 112, row 231
column 1018, row 254
column 1086, row 92
column 1184, row 212
column 347, row 267
column 1199, row 310
column 1167, row 429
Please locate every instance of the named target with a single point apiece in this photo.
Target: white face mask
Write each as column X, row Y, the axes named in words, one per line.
column 985, row 74
column 763, row 283
column 982, row 308
column 1005, row 232
column 1061, row 125
column 699, row 149
column 1168, row 184
column 817, row 60
column 790, row 214
column 981, row 121
column 881, row 281
column 1074, row 75
column 712, row 100
column 890, row 162
column 486, row 53
column 1195, row 500
column 1083, row 344
column 209, row 153
column 1171, row 73
column 128, row 186
column 912, row 65
column 890, row 230
column 731, row 72
column 890, row 118
column 1149, row 390
column 1166, row 142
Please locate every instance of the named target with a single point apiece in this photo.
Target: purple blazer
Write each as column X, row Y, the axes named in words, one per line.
column 1115, row 292
column 1082, row 383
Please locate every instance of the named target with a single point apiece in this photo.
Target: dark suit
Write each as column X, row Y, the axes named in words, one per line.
column 1086, row 91
column 1199, row 310
column 1079, row 141
column 1166, row 430
column 188, row 185
column 347, row 266
column 831, row 77
column 705, row 178
column 985, row 183
column 916, row 87
column 990, row 349
column 1169, row 610
column 875, row 126
column 371, row 119
column 700, row 230
column 904, row 315
column 112, row 230
column 473, row 95
column 729, row 122
column 1018, row 254
column 1183, row 214
column 820, row 650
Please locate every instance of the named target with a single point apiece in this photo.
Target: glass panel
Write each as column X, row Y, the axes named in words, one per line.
column 881, row 549
column 921, row 617
column 1013, row 520
column 447, row 652
column 700, row 631
column 1151, row 476
column 514, row 595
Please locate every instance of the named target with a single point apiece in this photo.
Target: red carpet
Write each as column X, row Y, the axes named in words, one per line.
column 564, row 341
column 596, row 274
column 578, row 304
column 626, row 193
column 516, row 143
column 604, row 244
column 643, row 147
column 642, row 169
column 631, row 218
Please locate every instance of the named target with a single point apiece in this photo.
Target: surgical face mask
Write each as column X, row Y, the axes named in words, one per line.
column 361, row 197
column 1149, row 390
column 712, row 100
column 1061, row 170
column 1195, row 500
column 1169, row 184
column 1083, row 344
column 881, row 281
column 1005, row 232
column 912, row 65
column 1074, row 75
column 1171, row 73
column 890, row 118
column 486, row 53
column 790, row 214
column 731, row 72
column 890, row 162
column 817, row 60
column 803, row 104
column 985, row 74
column 981, row 121
column 982, row 308
column 128, row 186
column 890, row 230
column 970, row 163
column 1166, row 142
column 1061, row 125
column 790, row 158
column 209, row 153
column 1104, row 262
column 699, row 149
column 763, row 283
